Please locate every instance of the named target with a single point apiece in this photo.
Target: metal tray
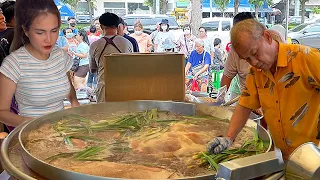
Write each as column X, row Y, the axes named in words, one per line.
column 51, row 172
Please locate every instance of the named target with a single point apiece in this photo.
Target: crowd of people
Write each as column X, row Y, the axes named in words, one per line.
column 195, row 49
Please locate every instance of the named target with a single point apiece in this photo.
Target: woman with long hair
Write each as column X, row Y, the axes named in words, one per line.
column 81, row 53
column 36, row 71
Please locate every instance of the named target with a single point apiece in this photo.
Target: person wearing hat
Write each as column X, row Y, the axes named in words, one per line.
column 198, row 65
column 110, row 43
column 143, row 39
column 121, row 32
column 164, row 34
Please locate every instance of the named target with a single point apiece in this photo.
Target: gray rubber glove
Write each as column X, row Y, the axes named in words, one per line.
column 218, row 144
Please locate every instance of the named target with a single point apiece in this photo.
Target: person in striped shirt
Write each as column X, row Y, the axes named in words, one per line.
column 36, row 71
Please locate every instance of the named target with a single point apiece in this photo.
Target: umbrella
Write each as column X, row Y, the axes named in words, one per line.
column 63, row 9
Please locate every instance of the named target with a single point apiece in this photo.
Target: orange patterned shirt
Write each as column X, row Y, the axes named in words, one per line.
column 290, row 98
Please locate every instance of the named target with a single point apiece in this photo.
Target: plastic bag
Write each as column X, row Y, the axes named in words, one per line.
column 191, row 98
column 222, row 94
column 195, row 86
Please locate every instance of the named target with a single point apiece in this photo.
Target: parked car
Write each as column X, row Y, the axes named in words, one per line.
column 64, row 21
column 313, row 20
column 307, row 34
column 218, row 28
column 83, row 19
column 149, row 23
column 295, row 20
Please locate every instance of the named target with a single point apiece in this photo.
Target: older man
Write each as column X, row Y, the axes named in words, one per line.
column 198, row 64
column 236, row 70
column 284, row 81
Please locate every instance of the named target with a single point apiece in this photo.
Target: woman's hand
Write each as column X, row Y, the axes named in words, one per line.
column 27, row 118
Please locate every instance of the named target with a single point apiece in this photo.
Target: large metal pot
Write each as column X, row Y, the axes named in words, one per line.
column 50, row 172
column 304, row 163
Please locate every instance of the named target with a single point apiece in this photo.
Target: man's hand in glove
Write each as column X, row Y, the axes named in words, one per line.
column 218, row 144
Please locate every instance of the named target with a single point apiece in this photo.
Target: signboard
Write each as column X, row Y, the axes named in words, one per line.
column 182, row 4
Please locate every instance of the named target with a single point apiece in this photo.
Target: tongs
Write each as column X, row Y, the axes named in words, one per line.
column 232, row 101
column 228, row 103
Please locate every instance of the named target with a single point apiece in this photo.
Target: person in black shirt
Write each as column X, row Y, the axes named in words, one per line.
column 5, row 34
column 133, row 41
column 4, row 44
column 8, row 12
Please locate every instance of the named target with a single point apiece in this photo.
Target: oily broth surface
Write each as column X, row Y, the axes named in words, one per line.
column 166, row 154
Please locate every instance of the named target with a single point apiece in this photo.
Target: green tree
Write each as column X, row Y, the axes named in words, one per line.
column 148, row 3
column 222, row 5
column 303, row 7
column 74, row 3
column 163, row 5
column 316, row 10
column 257, row 4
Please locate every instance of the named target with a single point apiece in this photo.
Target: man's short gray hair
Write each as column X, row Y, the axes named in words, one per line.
column 251, row 27
column 199, row 41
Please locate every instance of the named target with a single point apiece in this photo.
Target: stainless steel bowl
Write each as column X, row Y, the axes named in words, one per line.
column 51, row 172
column 304, row 163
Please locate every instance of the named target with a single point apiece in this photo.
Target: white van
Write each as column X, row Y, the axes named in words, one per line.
column 218, row 27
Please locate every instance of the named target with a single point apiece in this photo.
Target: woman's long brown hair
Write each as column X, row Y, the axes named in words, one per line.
column 25, row 13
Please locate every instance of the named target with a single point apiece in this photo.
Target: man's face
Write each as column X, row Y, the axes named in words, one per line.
column 257, row 52
column 199, row 48
column 3, row 25
column 97, row 24
column 202, row 32
column 68, row 31
column 72, row 23
column 125, row 28
column 120, row 30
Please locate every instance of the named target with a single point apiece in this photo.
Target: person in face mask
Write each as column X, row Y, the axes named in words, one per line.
column 72, row 42
column 163, row 35
column 143, row 39
column 72, row 25
column 186, row 42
